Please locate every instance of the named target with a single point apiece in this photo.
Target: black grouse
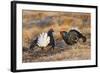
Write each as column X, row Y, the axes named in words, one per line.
column 44, row 40
column 72, row 36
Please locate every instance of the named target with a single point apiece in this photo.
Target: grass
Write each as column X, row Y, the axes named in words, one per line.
column 76, row 52
column 62, row 51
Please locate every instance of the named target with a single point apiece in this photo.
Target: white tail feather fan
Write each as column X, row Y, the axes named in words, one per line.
column 43, row 40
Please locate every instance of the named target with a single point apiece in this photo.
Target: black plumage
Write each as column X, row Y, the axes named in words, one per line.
column 72, row 36
column 33, row 43
column 51, row 43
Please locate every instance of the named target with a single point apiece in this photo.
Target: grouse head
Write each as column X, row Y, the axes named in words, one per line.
column 51, row 30
column 63, row 33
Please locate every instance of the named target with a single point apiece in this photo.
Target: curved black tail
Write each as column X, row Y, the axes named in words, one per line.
column 80, row 35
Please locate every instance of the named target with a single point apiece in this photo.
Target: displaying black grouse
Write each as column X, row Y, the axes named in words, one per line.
column 72, row 36
column 44, row 40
